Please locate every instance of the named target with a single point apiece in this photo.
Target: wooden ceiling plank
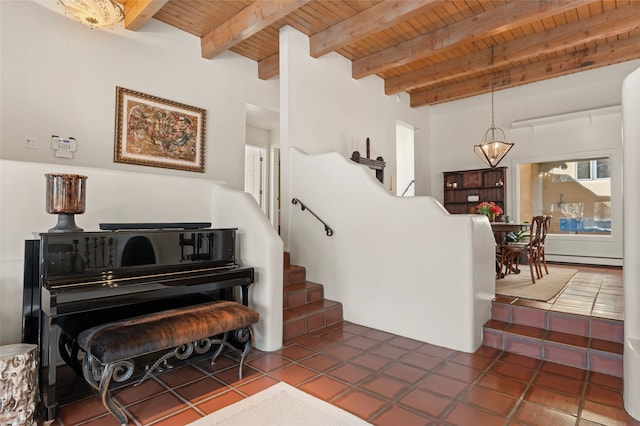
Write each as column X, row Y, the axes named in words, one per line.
column 586, row 59
column 246, row 23
column 305, row 20
column 431, row 21
column 330, row 12
column 578, row 33
column 494, row 21
column 138, row 12
column 371, row 21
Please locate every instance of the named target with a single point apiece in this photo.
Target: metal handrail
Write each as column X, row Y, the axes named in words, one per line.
column 408, row 186
column 327, row 229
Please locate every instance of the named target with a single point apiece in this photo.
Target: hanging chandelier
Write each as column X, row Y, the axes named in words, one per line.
column 94, row 13
column 494, row 145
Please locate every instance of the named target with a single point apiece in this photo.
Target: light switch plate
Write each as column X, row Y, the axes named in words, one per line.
column 31, row 143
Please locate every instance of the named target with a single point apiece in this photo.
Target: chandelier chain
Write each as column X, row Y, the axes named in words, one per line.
column 492, row 77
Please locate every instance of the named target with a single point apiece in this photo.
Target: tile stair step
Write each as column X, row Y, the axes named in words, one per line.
column 301, row 293
column 305, row 308
column 581, row 325
column 591, row 354
column 310, row 317
column 589, row 343
column 294, row 274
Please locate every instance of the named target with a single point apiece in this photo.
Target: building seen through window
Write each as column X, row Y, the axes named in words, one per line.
column 576, row 192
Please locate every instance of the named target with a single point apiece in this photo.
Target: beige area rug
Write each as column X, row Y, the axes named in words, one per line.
column 280, row 405
column 544, row 289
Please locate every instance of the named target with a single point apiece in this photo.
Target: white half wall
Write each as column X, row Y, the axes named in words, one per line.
column 323, row 109
column 120, row 196
column 631, row 273
column 401, row 265
column 260, row 247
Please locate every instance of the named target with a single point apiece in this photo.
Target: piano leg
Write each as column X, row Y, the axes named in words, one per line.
column 245, row 294
column 48, row 364
column 230, row 294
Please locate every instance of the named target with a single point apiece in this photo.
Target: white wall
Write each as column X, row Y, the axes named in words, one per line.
column 452, row 146
column 401, row 265
column 59, row 77
column 631, row 148
column 258, row 137
column 323, row 109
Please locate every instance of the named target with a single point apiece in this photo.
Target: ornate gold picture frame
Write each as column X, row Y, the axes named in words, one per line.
column 151, row 131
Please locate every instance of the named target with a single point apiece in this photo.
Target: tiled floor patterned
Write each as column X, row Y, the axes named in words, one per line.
column 387, row 380
column 593, row 291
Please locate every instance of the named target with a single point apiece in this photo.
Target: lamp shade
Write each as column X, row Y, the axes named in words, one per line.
column 492, row 151
column 94, row 13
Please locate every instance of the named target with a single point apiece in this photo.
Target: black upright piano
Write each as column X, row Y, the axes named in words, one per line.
column 74, row 280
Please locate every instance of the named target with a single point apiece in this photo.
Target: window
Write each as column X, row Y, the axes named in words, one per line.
column 593, row 169
column 576, row 192
column 583, row 170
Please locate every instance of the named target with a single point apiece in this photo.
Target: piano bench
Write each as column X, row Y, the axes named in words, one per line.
column 111, row 347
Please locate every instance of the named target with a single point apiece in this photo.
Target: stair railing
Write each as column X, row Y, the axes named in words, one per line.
column 408, row 186
column 327, row 228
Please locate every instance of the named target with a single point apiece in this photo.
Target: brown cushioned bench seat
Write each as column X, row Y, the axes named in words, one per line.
column 111, row 347
column 72, row 325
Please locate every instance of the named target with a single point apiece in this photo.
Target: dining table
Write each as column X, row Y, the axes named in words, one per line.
column 500, row 230
column 505, row 227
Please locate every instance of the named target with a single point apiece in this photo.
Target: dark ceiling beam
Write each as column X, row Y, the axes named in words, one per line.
column 269, row 67
column 486, row 24
column 595, row 56
column 575, row 34
column 138, row 12
column 249, row 21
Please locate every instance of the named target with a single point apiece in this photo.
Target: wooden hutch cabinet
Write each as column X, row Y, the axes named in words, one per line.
column 465, row 189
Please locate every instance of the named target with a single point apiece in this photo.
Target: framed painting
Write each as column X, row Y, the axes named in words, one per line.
column 151, row 131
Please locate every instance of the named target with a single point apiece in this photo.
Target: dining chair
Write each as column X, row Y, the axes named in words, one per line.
column 511, row 253
column 542, row 259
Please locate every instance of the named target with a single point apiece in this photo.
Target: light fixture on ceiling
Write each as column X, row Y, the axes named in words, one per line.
column 94, row 13
column 493, row 149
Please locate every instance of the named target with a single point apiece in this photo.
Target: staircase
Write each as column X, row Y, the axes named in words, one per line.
column 589, row 343
column 305, row 308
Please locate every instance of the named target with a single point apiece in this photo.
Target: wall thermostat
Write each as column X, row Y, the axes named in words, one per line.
column 64, row 148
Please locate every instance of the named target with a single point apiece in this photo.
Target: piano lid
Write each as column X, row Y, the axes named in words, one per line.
column 71, row 259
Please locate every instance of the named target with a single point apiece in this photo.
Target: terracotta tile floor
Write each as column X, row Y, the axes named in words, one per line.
column 384, row 379
column 594, row 291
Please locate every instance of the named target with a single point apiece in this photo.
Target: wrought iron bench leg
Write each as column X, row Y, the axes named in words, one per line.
column 93, row 370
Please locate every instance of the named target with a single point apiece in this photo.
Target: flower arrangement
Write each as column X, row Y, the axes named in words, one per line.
column 488, row 209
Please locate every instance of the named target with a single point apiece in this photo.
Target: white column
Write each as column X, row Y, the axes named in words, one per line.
column 631, row 250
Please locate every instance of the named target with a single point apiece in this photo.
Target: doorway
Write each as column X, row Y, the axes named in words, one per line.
column 255, row 174
column 275, row 187
column 262, row 160
column 405, row 160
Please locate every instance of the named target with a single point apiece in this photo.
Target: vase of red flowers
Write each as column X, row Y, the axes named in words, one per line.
column 489, row 209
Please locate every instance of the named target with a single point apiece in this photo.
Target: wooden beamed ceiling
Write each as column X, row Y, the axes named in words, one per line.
column 435, row 50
